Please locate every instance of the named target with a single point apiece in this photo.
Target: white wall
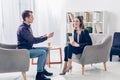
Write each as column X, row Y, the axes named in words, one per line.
column 110, row 6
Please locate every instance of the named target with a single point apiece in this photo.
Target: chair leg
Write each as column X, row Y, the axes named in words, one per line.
column 82, row 69
column 110, row 57
column 104, row 63
column 24, row 75
column 119, row 57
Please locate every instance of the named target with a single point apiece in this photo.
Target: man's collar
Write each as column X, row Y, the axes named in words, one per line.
column 26, row 24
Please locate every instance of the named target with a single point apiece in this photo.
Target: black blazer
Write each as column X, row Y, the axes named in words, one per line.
column 84, row 38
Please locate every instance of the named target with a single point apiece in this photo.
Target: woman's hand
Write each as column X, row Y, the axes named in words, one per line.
column 75, row 44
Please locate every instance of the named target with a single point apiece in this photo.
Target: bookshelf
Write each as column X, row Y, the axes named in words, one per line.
column 94, row 21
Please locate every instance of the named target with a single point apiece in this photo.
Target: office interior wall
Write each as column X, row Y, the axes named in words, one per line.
column 50, row 15
column 110, row 6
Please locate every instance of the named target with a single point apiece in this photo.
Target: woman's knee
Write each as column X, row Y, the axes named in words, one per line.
column 70, row 46
column 65, row 49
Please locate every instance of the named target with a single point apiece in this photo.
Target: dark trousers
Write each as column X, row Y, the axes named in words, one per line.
column 69, row 50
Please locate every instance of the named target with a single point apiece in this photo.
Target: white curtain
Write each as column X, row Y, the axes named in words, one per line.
column 28, row 5
column 10, row 18
column 25, row 5
column 48, row 15
column 0, row 22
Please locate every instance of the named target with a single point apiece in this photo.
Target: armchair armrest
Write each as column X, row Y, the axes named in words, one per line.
column 14, row 60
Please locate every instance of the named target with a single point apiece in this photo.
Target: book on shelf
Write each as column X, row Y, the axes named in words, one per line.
column 86, row 16
column 98, row 28
column 69, row 17
column 97, row 16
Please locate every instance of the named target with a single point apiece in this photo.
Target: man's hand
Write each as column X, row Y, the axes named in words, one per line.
column 50, row 35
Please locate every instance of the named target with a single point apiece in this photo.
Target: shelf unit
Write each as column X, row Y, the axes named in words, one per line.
column 94, row 21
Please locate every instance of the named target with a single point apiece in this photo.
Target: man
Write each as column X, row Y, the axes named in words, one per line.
column 26, row 40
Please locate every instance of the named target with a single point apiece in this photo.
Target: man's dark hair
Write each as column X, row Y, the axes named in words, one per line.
column 26, row 14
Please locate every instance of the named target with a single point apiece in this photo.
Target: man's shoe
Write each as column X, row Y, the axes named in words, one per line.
column 40, row 76
column 45, row 72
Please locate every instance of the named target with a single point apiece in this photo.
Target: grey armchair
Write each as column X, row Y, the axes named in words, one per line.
column 98, row 52
column 13, row 60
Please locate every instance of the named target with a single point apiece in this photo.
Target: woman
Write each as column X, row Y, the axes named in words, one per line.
column 81, row 39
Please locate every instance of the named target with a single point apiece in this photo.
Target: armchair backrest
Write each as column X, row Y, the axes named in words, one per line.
column 12, row 59
column 97, row 38
column 8, row 46
column 116, row 40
